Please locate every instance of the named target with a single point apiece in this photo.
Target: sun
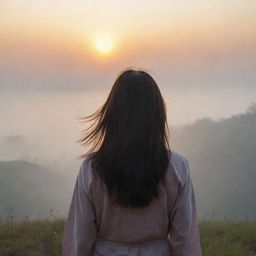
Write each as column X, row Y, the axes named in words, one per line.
column 104, row 44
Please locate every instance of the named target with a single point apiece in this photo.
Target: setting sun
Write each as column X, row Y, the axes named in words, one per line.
column 104, row 44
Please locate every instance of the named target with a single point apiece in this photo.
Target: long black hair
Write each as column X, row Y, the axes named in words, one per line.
column 130, row 151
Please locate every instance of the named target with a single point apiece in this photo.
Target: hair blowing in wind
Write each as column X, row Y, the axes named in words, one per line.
column 130, row 151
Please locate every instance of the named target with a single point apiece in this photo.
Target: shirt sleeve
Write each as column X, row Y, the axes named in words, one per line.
column 80, row 227
column 184, row 230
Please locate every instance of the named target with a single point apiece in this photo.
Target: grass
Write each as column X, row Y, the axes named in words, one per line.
column 31, row 238
column 228, row 238
column 44, row 237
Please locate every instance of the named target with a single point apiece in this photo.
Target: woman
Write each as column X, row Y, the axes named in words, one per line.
column 133, row 195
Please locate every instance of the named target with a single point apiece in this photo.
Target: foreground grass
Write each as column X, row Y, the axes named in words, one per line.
column 228, row 238
column 44, row 238
column 31, row 238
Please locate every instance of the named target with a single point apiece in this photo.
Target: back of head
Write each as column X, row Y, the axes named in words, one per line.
column 130, row 149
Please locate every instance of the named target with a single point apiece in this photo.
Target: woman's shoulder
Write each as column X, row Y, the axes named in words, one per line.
column 85, row 172
column 178, row 157
column 180, row 166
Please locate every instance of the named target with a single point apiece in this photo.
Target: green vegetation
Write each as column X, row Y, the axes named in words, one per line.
column 31, row 237
column 44, row 237
column 228, row 238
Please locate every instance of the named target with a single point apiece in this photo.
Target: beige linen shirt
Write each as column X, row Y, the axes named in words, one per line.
column 167, row 227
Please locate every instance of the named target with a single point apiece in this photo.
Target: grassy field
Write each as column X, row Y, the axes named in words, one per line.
column 44, row 238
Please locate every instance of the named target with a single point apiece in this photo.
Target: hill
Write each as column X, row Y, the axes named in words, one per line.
column 30, row 189
column 222, row 161
column 221, row 155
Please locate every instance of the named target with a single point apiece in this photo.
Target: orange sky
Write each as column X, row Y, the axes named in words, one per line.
column 197, row 47
column 202, row 54
column 131, row 24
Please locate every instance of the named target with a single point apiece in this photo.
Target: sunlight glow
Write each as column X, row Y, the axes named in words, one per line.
column 104, row 44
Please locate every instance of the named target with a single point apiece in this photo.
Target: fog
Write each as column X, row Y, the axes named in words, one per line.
column 202, row 55
column 39, row 156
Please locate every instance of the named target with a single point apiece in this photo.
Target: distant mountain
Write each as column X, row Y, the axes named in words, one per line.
column 222, row 156
column 31, row 190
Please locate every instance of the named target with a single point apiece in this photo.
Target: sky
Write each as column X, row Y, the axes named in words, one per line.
column 202, row 55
